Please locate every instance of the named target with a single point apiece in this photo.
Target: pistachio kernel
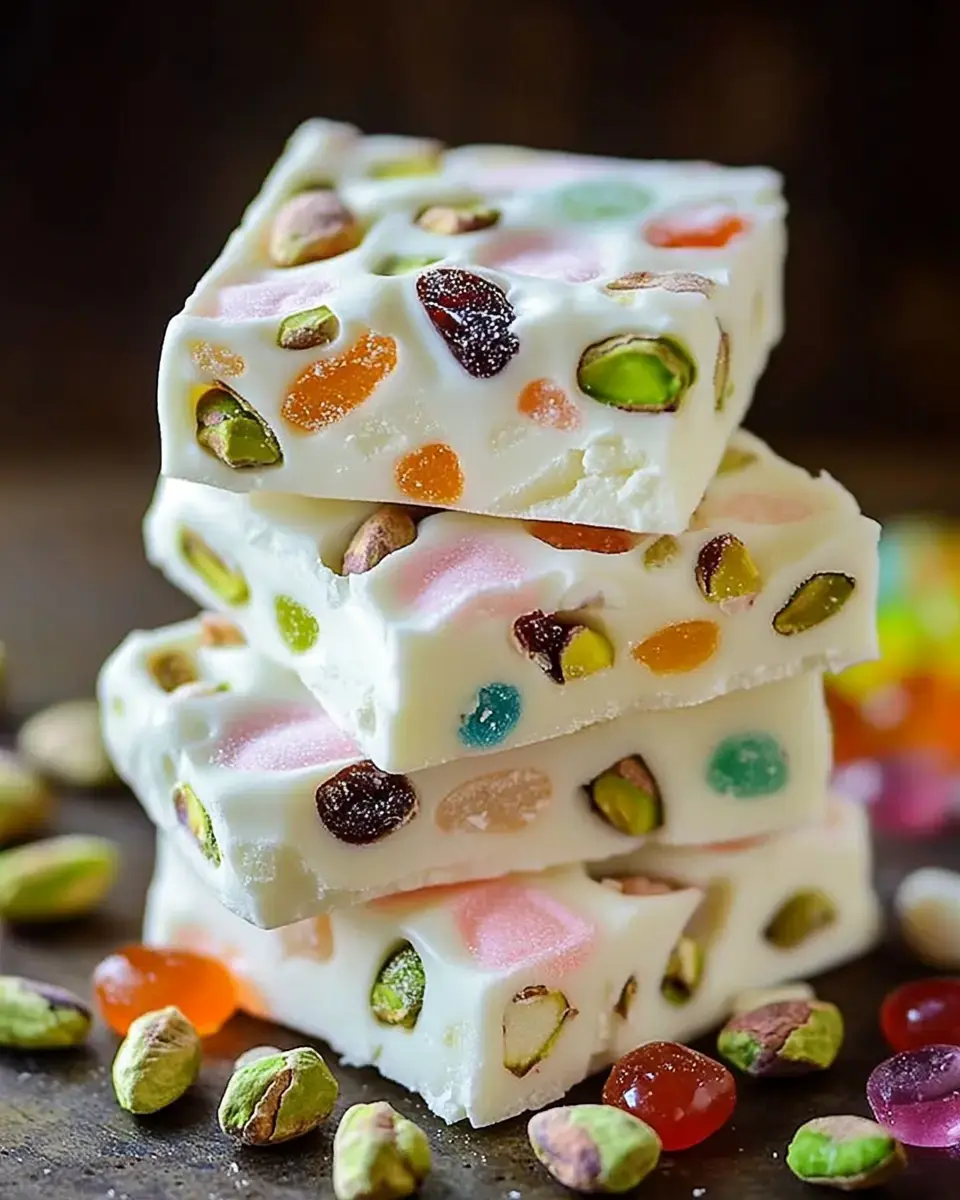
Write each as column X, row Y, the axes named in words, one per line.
column 799, row 918
column 41, row 1016
column 378, row 1154
column 390, row 528
column 396, row 997
column 157, row 1061
column 661, row 552
column 848, row 1153
column 254, row 1054
column 722, row 387
column 726, row 573
column 234, row 432
column 628, row 797
column 562, row 647
column 192, row 815
column 532, row 1024
column 637, row 372
column 403, row 264
column 64, row 742
column 227, row 582
column 26, row 802
column 814, row 601
column 277, row 1098
column 684, row 971
column 56, row 879
column 628, row 993
column 594, row 1148
column 452, row 219
column 308, row 329
column 311, row 226
column 790, row 1037
column 670, row 281
column 217, row 630
column 171, row 669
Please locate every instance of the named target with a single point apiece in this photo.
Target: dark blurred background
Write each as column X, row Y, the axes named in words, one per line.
column 134, row 135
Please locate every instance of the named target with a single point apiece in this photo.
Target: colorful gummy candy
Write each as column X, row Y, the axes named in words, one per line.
column 925, row 1012
column 916, row 1095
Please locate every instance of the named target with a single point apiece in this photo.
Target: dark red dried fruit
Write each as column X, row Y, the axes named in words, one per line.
column 473, row 316
column 543, row 638
column 362, row 804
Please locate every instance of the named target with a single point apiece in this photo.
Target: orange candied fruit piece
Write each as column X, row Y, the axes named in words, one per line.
column 547, row 404
column 678, row 648
column 431, row 474
column 709, row 227
column 137, row 979
column 584, row 537
column 331, row 387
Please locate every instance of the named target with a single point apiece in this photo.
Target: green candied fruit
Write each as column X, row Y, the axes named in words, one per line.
column 226, row 582
column 397, row 994
column 298, row 626
column 402, row 264
column 748, row 765
column 602, row 200
column 627, row 796
column 307, row 329
column 637, row 372
column 229, row 429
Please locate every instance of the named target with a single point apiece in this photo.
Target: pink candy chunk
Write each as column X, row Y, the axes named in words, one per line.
column 916, row 1095
column 437, row 579
column 283, row 737
column 505, row 925
column 544, row 255
column 758, row 508
column 271, row 298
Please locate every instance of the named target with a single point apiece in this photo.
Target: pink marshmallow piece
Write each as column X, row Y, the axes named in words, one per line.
column 286, row 737
column 438, row 579
column 543, row 255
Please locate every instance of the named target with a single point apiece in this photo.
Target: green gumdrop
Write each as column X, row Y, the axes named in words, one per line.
column 298, row 626
column 637, row 373
column 603, row 200
column 748, row 765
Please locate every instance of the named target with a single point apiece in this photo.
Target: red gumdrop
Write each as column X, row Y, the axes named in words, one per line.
column 925, row 1012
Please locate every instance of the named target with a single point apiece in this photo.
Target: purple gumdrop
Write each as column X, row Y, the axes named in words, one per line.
column 916, row 1095
column 915, row 796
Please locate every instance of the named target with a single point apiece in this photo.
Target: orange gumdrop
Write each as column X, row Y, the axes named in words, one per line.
column 218, row 362
column 678, row 648
column 431, row 475
column 331, row 387
column 709, row 227
column 547, row 404
column 584, row 537
column 138, row 979
column 312, row 938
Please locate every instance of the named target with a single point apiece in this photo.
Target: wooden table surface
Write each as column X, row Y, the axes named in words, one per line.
column 72, row 582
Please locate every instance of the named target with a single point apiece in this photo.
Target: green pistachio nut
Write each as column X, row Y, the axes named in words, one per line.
column 171, row 669
column 56, row 879
column 627, row 796
column 397, row 994
column 789, row 1037
column 628, row 993
column 403, row 264
column 277, row 1098
column 684, row 971
column 847, row 1153
column 312, row 225
column 378, row 1154
column 803, row 915
column 26, row 802
column 194, row 817
column 298, row 627
column 40, row 1016
column 637, row 372
column 224, row 581
column 452, row 219
column 308, row 329
column 231, row 430
column 385, row 531
column 594, row 1148
column 64, row 743
column 157, row 1061
column 532, row 1024
column 814, row 601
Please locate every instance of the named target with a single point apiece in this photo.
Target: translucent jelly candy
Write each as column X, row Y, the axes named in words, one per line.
column 473, row 316
column 707, row 226
column 229, row 429
column 218, row 362
column 501, row 802
column 602, row 200
column 627, row 796
column 563, row 648
column 332, row 387
column 298, row 626
column 138, row 979
column 916, row 1095
column 594, row 538
column 430, row 475
column 312, row 225
column 682, row 1094
column 678, row 648
column 547, row 404
column 637, row 372
column 362, row 804
column 923, row 1013
column 748, row 765
column 224, row 581
column 194, row 817
column 493, row 718
column 726, row 573
column 814, row 601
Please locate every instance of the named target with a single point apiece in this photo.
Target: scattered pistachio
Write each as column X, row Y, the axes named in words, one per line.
column 231, row 430
column 594, row 1148
column 192, row 815
column 726, row 573
column 278, row 1098
column 722, row 387
column 637, row 372
column 850, row 1154
column 64, row 742
column 397, row 994
column 628, row 797
column 57, row 878
column 799, row 918
column 403, row 264
column 532, row 1023
column 254, row 1054
column 562, row 647
column 791, row 1037
column 310, row 226
column 308, row 329
column 217, row 630
column 452, row 219
column 224, row 581
column 157, row 1061
column 927, row 904
column 388, row 529
column 661, row 552
column 378, row 1154
column 40, row 1016
column 684, row 971
column 746, row 1001
column 25, row 800
column 628, row 993
column 814, row 601
column 670, row 281
column 171, row 669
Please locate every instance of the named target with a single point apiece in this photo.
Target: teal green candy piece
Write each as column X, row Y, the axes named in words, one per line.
column 298, row 626
column 493, row 718
column 748, row 765
column 603, row 200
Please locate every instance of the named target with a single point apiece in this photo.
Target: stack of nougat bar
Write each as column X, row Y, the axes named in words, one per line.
column 500, row 745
